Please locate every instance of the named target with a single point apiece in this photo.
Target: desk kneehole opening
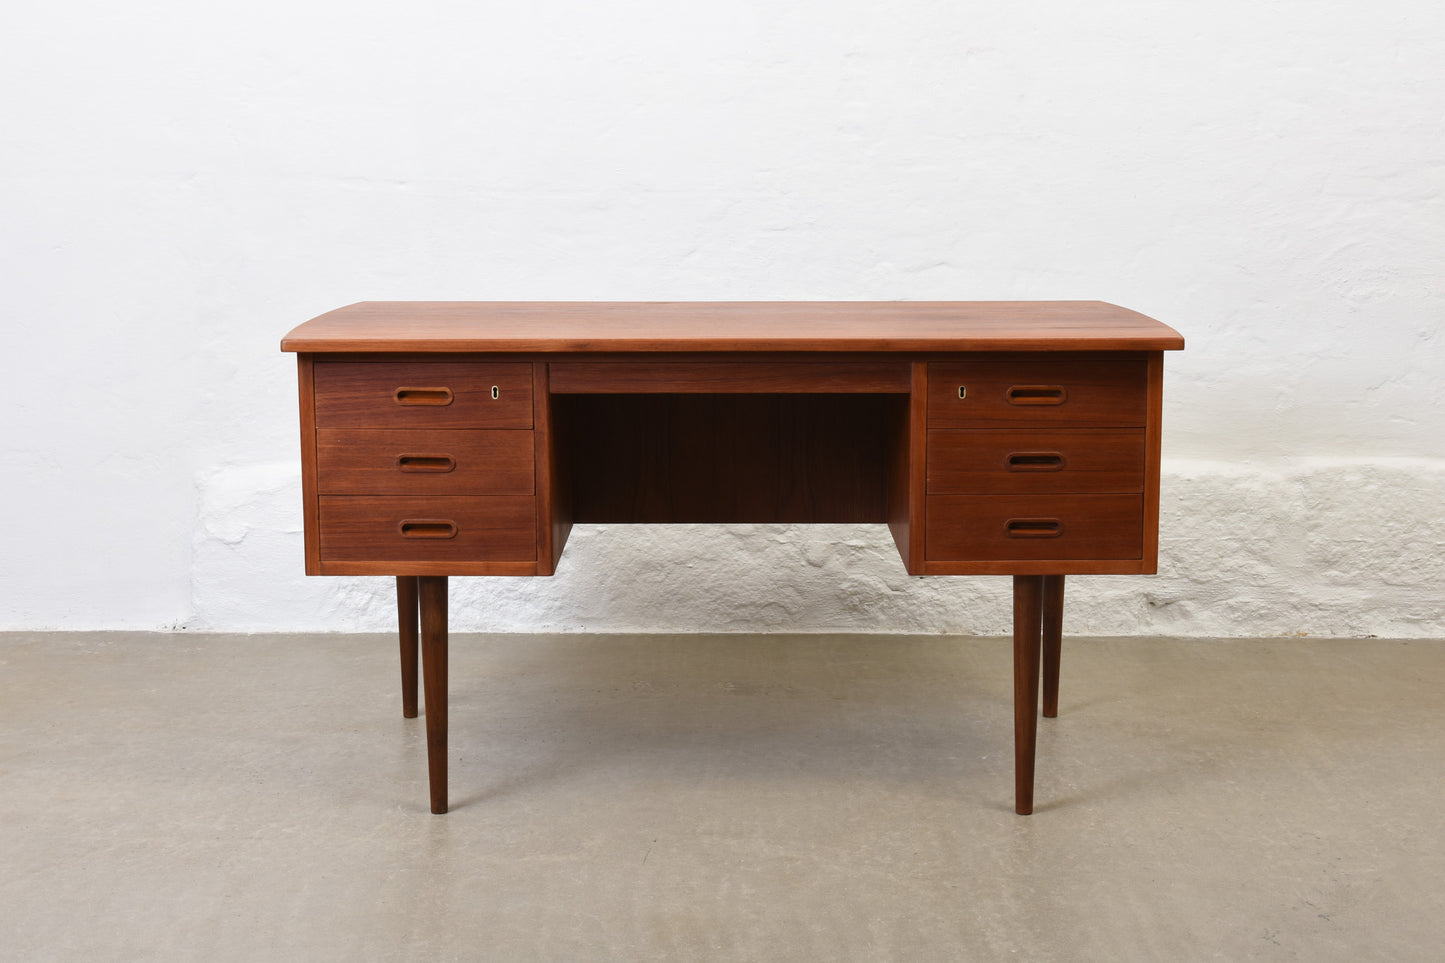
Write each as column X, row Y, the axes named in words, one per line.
column 1033, row 528
column 427, row 528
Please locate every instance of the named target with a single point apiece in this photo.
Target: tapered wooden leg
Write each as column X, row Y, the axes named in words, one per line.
column 1028, row 598
column 406, row 615
column 432, row 591
column 1053, row 622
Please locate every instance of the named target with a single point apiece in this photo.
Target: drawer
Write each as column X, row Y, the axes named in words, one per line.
column 423, row 394
column 1035, row 527
column 442, row 528
column 448, row 461
column 1005, row 394
column 997, row 461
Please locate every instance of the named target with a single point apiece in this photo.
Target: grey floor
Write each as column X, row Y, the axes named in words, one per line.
column 185, row 797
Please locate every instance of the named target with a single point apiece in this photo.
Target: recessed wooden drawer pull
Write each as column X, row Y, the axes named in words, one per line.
column 430, row 463
column 1033, row 528
column 1034, row 461
column 428, row 528
column 423, row 396
column 1037, row 395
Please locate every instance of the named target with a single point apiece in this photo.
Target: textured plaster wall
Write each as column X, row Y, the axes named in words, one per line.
column 180, row 184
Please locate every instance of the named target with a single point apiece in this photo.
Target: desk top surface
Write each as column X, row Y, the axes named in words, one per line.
column 731, row 326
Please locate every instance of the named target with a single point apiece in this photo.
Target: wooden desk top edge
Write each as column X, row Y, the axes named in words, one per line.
column 730, row 326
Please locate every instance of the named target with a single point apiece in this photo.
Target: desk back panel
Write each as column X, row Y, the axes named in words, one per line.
column 665, row 458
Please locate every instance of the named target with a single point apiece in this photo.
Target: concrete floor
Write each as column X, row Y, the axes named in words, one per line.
column 184, row 797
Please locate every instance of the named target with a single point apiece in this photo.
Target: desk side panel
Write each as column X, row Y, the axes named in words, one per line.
column 906, row 476
column 554, row 502
column 1153, row 438
column 310, row 506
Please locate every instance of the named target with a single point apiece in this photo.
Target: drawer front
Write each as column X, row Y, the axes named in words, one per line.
column 1007, row 394
column 383, row 461
column 444, row 528
column 423, row 394
column 1034, row 527
column 995, row 461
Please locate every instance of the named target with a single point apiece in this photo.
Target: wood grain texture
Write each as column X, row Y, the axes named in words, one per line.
column 363, row 394
column 374, row 461
column 728, row 377
column 368, row 528
column 976, row 527
column 916, row 326
column 1102, row 394
column 998, row 461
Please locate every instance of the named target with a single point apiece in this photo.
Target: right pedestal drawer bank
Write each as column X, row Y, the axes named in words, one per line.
column 1036, row 461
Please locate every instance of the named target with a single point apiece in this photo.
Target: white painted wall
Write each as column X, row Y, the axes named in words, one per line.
column 181, row 183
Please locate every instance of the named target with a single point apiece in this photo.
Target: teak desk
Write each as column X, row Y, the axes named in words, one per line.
column 465, row 438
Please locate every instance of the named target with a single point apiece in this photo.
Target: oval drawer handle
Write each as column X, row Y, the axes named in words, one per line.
column 423, row 396
column 1034, row 461
column 1037, row 395
column 427, row 528
column 427, row 463
column 1033, row 528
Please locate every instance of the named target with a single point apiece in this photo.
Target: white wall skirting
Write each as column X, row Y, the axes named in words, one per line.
column 1314, row 548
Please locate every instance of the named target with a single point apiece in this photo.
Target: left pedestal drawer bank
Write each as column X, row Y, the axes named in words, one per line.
column 425, row 461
